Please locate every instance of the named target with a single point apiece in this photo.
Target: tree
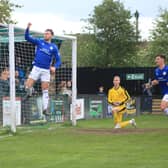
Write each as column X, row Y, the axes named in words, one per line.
column 6, row 9
column 159, row 35
column 114, row 34
column 143, row 54
column 89, row 52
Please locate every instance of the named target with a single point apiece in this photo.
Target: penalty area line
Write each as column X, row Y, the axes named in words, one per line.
column 5, row 136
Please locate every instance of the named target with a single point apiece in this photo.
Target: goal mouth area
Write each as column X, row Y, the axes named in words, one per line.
column 16, row 54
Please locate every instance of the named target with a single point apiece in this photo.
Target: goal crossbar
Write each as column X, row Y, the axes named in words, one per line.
column 19, row 34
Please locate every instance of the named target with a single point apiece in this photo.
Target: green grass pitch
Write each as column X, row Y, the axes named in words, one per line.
column 92, row 144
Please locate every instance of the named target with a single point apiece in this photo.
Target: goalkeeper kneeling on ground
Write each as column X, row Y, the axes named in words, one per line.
column 117, row 97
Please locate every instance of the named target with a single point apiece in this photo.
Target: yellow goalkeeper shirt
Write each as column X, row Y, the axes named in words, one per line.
column 119, row 95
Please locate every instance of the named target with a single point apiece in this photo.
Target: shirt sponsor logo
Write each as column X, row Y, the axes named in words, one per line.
column 46, row 51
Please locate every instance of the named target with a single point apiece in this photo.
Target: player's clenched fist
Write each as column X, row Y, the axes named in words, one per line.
column 29, row 25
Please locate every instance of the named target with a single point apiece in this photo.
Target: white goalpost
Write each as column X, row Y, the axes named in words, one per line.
column 74, row 74
column 74, row 81
column 12, row 77
column 19, row 49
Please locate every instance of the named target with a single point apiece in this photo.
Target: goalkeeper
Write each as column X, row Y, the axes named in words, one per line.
column 45, row 50
column 117, row 97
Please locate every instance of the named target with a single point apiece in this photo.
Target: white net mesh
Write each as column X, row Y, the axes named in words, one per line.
column 60, row 84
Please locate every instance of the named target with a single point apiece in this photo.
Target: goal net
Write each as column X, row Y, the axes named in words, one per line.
column 62, row 88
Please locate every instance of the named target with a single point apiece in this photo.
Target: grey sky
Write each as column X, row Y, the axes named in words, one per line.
column 74, row 9
column 66, row 14
column 147, row 8
column 81, row 8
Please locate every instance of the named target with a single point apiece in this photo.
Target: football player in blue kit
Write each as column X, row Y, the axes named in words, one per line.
column 161, row 79
column 45, row 50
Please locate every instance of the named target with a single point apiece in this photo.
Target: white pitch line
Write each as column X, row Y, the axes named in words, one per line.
column 5, row 136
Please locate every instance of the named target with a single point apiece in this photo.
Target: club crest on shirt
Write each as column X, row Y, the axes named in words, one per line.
column 51, row 48
column 164, row 73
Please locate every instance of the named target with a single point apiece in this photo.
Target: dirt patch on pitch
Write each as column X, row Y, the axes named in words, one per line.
column 122, row 131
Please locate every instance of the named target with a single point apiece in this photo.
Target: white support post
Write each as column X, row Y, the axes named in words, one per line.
column 12, row 77
column 74, row 81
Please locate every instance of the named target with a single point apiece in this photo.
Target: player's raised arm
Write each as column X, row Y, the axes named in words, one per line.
column 28, row 37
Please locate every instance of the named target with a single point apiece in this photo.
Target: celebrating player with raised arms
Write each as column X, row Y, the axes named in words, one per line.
column 45, row 51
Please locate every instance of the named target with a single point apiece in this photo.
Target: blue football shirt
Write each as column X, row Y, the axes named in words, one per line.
column 44, row 52
column 162, row 76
